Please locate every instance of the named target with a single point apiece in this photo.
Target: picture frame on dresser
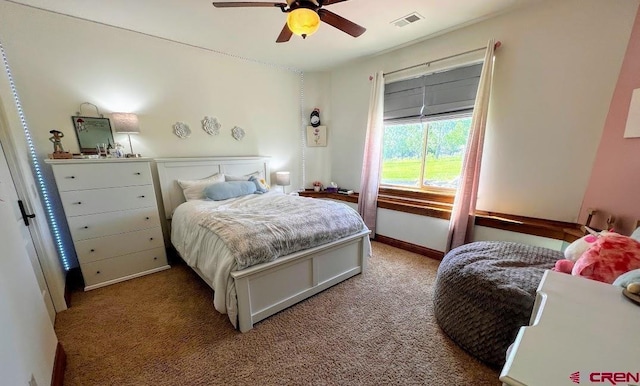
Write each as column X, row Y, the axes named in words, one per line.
column 112, row 213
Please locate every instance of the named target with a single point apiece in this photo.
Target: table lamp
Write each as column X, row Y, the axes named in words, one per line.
column 283, row 179
column 126, row 123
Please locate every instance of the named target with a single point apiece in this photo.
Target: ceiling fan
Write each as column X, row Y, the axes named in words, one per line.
column 303, row 17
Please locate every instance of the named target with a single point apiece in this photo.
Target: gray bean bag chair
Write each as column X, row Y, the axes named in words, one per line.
column 485, row 292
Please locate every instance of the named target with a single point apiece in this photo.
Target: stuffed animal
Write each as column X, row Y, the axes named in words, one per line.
column 607, row 257
column 575, row 250
column 580, row 246
column 564, row 266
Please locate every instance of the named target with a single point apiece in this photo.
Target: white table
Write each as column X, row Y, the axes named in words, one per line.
column 579, row 328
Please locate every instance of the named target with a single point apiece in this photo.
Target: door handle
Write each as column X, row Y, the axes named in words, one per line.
column 25, row 216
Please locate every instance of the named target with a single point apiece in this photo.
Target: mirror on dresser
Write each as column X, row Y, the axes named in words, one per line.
column 92, row 132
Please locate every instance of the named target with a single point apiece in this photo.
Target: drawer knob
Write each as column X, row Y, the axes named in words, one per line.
column 93, row 250
column 141, row 196
column 79, row 203
column 71, row 177
column 147, row 218
column 98, row 272
column 137, row 173
column 150, row 238
column 155, row 258
column 86, row 227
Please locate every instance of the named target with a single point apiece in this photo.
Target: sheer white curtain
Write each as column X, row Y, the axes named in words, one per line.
column 371, row 163
column 464, row 204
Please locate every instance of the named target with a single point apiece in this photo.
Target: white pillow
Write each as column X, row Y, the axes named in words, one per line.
column 636, row 235
column 257, row 174
column 194, row 189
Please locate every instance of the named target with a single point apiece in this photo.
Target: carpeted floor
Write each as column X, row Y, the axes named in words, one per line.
column 162, row 329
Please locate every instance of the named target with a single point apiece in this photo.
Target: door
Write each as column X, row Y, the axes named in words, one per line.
column 27, row 339
column 12, row 200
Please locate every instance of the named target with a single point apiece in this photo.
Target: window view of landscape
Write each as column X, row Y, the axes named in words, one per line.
column 404, row 159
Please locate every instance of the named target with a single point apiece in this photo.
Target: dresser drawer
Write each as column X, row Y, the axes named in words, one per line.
column 120, row 244
column 96, row 176
column 105, row 224
column 82, row 202
column 122, row 266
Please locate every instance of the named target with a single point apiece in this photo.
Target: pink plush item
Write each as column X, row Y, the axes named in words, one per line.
column 580, row 246
column 564, row 266
column 609, row 257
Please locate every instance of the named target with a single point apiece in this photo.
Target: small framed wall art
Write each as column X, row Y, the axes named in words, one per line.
column 316, row 136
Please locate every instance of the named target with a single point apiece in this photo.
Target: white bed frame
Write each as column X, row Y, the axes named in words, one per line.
column 265, row 289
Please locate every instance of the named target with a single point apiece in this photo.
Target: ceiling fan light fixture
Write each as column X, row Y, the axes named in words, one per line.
column 303, row 21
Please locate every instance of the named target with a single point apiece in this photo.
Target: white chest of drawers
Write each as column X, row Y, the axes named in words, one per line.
column 111, row 209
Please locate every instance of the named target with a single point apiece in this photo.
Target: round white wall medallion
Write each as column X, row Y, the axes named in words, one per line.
column 211, row 125
column 182, row 130
column 237, row 133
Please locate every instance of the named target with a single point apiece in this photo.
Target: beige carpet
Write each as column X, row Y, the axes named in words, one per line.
column 162, row 329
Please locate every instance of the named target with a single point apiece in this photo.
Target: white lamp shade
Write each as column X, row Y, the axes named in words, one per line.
column 283, row 178
column 125, row 123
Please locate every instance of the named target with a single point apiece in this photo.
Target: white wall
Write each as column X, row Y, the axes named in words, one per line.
column 59, row 62
column 317, row 90
column 425, row 231
column 554, row 78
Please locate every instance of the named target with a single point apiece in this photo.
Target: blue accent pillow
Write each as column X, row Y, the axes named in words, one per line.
column 231, row 189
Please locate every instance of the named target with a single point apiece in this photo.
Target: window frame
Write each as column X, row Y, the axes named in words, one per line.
column 425, row 192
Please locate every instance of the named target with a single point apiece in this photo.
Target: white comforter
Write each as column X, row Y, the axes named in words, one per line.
column 203, row 249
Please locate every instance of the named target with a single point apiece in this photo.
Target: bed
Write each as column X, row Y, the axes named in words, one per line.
column 255, row 292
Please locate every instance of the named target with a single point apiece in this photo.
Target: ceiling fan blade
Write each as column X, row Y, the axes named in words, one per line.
column 322, row 3
column 285, row 34
column 341, row 23
column 234, row 4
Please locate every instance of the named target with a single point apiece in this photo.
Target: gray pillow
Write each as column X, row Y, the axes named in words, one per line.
column 231, row 189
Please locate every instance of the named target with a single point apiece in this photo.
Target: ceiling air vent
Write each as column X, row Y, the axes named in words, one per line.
column 406, row 20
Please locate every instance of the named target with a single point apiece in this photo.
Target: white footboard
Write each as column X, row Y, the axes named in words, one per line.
column 265, row 289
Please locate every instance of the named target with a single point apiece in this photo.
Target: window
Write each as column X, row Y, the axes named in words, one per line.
column 425, row 155
column 427, row 124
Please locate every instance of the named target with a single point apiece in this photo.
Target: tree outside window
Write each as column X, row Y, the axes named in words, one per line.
column 433, row 149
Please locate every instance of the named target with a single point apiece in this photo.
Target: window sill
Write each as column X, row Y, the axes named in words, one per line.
column 415, row 203
column 353, row 198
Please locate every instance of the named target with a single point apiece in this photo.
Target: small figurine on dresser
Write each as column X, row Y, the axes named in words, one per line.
column 58, row 150
column 118, row 152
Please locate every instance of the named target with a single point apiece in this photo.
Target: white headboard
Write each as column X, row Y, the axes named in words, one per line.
column 172, row 169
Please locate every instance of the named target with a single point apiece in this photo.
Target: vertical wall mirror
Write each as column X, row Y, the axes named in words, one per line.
column 92, row 132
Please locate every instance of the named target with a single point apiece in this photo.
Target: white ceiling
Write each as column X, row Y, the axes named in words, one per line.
column 251, row 32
